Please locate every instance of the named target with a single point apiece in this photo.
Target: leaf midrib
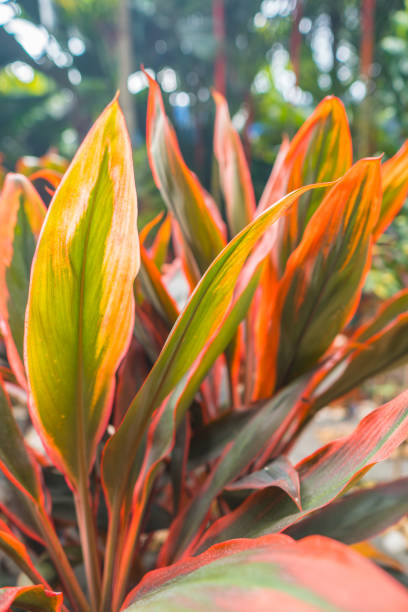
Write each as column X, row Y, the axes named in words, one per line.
column 82, row 458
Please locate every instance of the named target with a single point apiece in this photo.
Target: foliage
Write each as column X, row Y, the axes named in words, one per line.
column 168, row 380
column 163, row 34
column 258, row 39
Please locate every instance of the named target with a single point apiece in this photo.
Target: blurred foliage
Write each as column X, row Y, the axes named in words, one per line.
column 390, row 261
column 73, row 44
column 59, row 66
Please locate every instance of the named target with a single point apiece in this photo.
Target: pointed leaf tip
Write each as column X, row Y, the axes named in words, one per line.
column 234, row 172
column 81, row 308
column 180, row 188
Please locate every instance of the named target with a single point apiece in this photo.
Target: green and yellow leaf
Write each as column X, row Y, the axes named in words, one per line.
column 179, row 187
column 80, row 308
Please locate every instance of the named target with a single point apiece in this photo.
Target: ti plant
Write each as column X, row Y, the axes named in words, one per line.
column 168, row 380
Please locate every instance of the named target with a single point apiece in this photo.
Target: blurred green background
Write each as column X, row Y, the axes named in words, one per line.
column 61, row 61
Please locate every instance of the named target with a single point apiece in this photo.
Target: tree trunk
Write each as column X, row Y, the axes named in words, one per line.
column 365, row 134
column 296, row 40
column 125, row 64
column 219, row 35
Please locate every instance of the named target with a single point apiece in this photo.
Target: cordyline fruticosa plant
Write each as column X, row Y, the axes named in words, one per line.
column 228, row 337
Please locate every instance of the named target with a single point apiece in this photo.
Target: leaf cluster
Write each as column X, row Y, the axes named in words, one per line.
column 168, row 374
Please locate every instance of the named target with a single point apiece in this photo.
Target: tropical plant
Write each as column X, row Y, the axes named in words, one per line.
column 168, row 381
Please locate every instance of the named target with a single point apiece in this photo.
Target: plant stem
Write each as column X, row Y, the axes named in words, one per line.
column 62, row 565
column 109, row 566
column 87, row 533
column 249, row 358
column 126, row 557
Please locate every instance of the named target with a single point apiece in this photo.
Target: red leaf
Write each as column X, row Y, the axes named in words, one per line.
column 271, row 573
column 324, row 475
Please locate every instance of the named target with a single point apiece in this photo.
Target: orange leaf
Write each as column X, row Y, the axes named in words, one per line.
column 395, row 188
column 321, row 151
column 322, row 282
column 180, row 188
column 22, row 213
column 234, row 172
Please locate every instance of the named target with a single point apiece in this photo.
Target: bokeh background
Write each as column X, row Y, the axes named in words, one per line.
column 61, row 62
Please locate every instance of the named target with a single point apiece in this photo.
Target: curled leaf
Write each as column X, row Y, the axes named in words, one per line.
column 33, row 598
